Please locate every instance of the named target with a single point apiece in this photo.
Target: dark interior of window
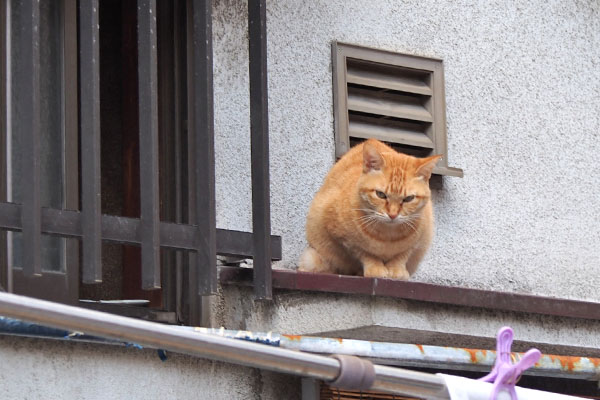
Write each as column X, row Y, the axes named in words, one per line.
column 99, row 105
column 120, row 173
column 61, row 181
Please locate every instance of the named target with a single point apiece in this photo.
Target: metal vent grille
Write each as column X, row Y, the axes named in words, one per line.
column 395, row 98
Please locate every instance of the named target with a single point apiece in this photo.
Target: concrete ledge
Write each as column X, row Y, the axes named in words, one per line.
column 505, row 301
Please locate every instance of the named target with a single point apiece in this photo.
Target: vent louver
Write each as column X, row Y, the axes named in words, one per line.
column 395, row 98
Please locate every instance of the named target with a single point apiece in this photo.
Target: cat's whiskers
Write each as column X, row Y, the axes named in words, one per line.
column 411, row 225
column 367, row 224
column 370, row 218
column 407, row 220
column 365, row 210
column 382, row 217
column 365, row 217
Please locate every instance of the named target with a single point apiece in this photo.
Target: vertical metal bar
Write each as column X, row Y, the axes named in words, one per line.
column 191, row 304
column 71, row 141
column 180, row 121
column 29, row 121
column 203, row 132
column 8, row 151
column 148, row 126
column 89, row 37
column 259, row 127
column 166, row 134
column 4, row 271
column 179, row 51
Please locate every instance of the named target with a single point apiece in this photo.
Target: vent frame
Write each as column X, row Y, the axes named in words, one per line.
column 367, row 79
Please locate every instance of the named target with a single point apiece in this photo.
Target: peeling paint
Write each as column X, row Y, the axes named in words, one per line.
column 403, row 354
column 568, row 363
column 293, row 337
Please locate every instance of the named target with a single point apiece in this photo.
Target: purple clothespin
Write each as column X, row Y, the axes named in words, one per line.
column 505, row 374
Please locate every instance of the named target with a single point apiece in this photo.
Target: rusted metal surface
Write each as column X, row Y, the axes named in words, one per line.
column 415, row 355
column 383, row 353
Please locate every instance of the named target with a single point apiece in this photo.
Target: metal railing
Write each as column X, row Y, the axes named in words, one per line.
column 388, row 379
column 197, row 342
column 200, row 236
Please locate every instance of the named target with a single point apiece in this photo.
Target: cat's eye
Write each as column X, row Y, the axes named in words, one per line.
column 380, row 194
column 409, row 198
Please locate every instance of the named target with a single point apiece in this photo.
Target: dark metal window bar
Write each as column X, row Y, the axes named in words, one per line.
column 259, row 126
column 201, row 239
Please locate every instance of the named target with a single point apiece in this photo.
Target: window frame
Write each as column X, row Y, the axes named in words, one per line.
column 54, row 286
column 196, row 270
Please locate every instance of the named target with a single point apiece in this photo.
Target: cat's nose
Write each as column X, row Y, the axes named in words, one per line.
column 392, row 215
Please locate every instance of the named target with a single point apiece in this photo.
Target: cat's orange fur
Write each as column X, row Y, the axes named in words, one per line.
column 351, row 230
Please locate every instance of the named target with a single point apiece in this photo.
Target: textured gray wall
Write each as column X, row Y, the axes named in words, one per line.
column 49, row 369
column 523, row 110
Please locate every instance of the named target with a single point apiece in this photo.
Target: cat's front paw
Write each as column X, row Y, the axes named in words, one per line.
column 376, row 271
column 398, row 273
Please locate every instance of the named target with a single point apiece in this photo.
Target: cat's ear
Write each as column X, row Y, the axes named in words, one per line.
column 426, row 166
column 372, row 159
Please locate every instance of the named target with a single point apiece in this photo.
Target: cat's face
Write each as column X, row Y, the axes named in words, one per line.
column 394, row 187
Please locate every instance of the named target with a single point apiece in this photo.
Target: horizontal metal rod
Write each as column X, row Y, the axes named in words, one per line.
column 126, row 230
column 388, row 379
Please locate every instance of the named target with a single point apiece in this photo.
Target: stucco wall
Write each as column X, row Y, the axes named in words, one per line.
column 49, row 369
column 405, row 321
column 523, row 111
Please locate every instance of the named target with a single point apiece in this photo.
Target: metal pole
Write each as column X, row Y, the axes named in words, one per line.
column 388, row 379
column 416, row 355
column 259, row 154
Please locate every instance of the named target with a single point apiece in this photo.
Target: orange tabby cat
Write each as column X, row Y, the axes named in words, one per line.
column 373, row 214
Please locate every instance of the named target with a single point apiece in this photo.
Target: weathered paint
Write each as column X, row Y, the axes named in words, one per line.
column 567, row 363
column 269, row 338
column 473, row 354
column 417, row 355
